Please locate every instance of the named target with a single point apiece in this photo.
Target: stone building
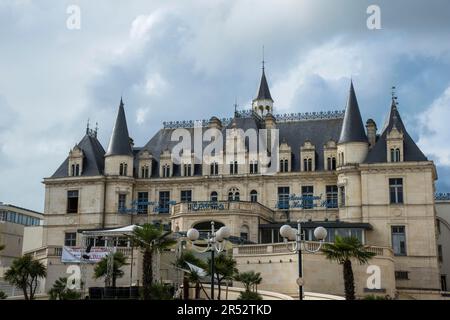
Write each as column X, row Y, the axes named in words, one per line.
column 331, row 170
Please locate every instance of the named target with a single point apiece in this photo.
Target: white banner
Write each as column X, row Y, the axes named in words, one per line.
column 73, row 255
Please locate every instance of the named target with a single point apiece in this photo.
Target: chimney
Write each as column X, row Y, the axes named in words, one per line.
column 371, row 132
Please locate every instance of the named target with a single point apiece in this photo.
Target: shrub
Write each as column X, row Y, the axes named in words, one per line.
column 249, row 295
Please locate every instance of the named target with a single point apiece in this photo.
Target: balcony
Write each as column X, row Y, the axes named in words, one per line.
column 274, row 248
column 222, row 207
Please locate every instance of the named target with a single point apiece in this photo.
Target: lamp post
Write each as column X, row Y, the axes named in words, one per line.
column 216, row 242
column 297, row 235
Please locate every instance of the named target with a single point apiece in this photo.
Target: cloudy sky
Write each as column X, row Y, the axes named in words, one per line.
column 176, row 60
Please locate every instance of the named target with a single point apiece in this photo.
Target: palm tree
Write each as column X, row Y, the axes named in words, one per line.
column 101, row 269
column 150, row 239
column 59, row 291
column 24, row 274
column 342, row 251
column 224, row 268
column 191, row 276
column 249, row 279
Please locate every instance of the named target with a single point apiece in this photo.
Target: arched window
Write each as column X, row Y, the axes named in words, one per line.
column 77, row 170
column 253, row 196
column 397, row 155
column 244, row 232
column 214, row 197
column 233, row 194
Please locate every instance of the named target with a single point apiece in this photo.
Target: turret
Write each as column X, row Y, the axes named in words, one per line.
column 263, row 103
column 119, row 156
column 353, row 143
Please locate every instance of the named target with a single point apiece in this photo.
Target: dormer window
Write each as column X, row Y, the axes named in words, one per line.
column 308, row 154
column 233, row 167
column 123, row 169
column 145, row 164
column 166, row 171
column 284, row 165
column 75, row 167
column 253, row 167
column 214, row 169
column 331, row 163
column 395, row 155
column 307, row 164
column 145, row 172
column 75, row 170
column 394, row 145
column 329, row 155
column 187, row 170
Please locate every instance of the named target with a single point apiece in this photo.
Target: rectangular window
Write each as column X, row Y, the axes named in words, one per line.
column 122, row 202
column 164, row 198
column 142, row 206
column 399, row 240
column 186, row 195
column 396, row 190
column 70, row 239
column 187, row 170
column 233, row 167
column 72, row 201
column 283, row 198
column 253, row 167
column 401, row 275
column 332, row 196
column 342, row 196
column 443, row 282
column 307, row 197
column 440, row 256
column 214, row 168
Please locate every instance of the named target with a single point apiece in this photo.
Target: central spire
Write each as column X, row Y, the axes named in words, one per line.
column 119, row 144
column 263, row 103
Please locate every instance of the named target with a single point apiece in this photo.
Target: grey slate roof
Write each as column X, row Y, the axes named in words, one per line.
column 93, row 162
column 263, row 91
column 352, row 128
column 411, row 151
column 294, row 133
column 119, row 144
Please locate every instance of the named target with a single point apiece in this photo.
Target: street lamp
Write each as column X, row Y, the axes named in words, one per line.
column 297, row 235
column 216, row 242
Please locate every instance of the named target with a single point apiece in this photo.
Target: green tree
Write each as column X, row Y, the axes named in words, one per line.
column 249, row 279
column 24, row 274
column 150, row 239
column 224, row 269
column 101, row 268
column 3, row 295
column 192, row 276
column 342, row 251
column 59, row 291
column 2, row 246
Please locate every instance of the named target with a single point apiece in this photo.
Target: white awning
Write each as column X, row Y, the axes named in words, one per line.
column 127, row 230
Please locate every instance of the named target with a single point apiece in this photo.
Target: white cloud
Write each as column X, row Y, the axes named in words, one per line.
column 141, row 115
column 435, row 133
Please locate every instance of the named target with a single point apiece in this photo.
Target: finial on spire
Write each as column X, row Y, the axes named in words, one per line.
column 394, row 96
column 235, row 107
column 121, row 101
column 263, row 61
column 96, row 129
column 87, row 126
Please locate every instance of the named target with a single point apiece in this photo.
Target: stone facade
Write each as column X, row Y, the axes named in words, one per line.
column 359, row 183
